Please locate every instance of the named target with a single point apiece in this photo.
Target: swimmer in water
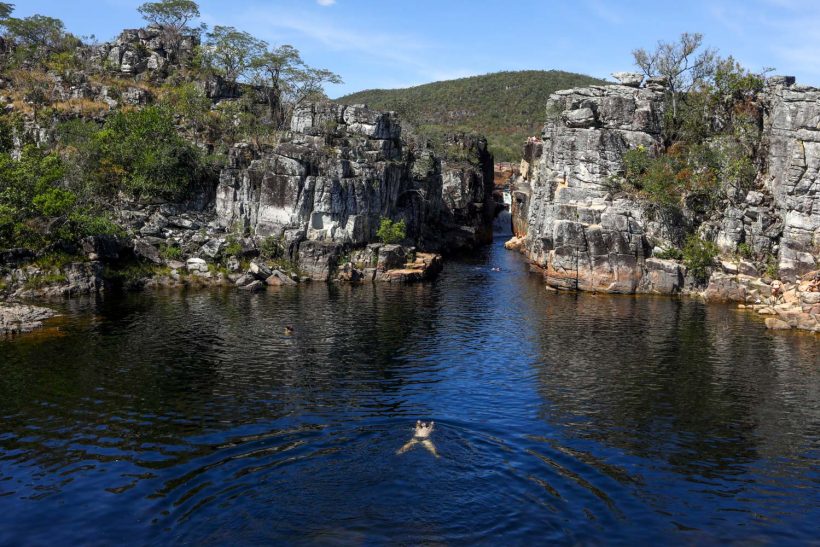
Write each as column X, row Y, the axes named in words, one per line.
column 421, row 436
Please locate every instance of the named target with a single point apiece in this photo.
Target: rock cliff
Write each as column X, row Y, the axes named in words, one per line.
column 325, row 187
column 584, row 237
column 587, row 236
column 571, row 221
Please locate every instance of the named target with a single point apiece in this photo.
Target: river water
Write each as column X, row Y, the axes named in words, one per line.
column 194, row 418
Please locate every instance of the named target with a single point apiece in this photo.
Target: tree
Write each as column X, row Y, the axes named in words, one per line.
column 230, row 53
column 5, row 9
column 274, row 69
column 173, row 17
column 289, row 81
column 36, row 37
column 141, row 153
column 679, row 64
column 170, row 14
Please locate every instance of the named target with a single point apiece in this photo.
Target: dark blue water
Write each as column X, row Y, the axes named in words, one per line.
column 193, row 418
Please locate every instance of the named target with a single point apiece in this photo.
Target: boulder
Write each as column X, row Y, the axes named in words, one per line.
column 146, row 251
column 18, row 318
column 244, row 279
column 580, row 117
column 277, row 279
column 254, row 286
column 259, row 270
column 774, row 323
column 212, row 248
column 629, row 79
column 196, row 265
column 391, row 257
column 107, row 248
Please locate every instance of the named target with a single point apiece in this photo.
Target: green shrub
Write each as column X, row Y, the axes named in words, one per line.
column 141, row 153
column 272, row 248
column 672, row 253
column 170, row 252
column 772, row 268
column 699, row 256
column 233, row 247
column 391, row 232
column 745, row 250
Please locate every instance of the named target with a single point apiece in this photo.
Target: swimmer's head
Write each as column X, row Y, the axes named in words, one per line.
column 424, row 429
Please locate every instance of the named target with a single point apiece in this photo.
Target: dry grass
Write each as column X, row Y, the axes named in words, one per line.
column 82, row 107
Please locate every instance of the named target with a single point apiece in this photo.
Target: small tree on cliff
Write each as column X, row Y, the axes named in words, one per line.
column 288, row 81
column 230, row 52
column 173, row 16
column 681, row 65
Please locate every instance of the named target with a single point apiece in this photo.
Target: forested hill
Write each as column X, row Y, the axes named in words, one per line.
column 506, row 107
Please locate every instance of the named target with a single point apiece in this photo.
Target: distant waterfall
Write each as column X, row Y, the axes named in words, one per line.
column 502, row 225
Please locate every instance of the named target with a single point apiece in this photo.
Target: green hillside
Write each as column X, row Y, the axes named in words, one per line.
column 505, row 106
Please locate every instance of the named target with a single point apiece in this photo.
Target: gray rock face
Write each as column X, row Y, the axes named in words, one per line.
column 585, row 237
column 343, row 168
column 575, row 230
column 17, row 318
column 630, row 79
column 793, row 176
column 146, row 50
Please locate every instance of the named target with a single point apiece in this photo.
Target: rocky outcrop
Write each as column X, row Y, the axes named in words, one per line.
column 150, row 50
column 793, row 175
column 326, row 186
column 576, row 230
column 586, row 236
column 18, row 318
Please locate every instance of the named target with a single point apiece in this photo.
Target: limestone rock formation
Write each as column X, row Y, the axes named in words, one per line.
column 793, row 176
column 585, row 236
column 19, row 318
column 341, row 169
column 146, row 50
column 582, row 236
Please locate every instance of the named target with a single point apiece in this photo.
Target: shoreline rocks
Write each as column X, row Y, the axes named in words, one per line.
column 21, row 318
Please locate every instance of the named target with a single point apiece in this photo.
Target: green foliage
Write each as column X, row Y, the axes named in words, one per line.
column 170, row 252
column 713, row 132
column 672, row 253
column 664, row 180
column 506, row 107
column 141, row 153
column 233, row 247
column 36, row 37
column 772, row 268
column 699, row 256
column 272, row 248
column 44, row 280
column 6, row 9
column 6, row 135
column 174, row 14
column 38, row 208
column 230, row 53
column 391, row 232
column 745, row 250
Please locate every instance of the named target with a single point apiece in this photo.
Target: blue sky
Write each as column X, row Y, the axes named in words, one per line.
column 400, row 43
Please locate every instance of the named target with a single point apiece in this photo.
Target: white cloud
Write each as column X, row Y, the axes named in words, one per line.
column 326, row 2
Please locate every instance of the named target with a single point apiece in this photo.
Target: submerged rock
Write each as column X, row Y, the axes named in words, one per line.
column 19, row 318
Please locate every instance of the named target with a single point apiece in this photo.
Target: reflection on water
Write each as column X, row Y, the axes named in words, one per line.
column 193, row 417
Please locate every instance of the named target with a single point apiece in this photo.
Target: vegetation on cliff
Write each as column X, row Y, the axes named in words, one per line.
column 712, row 131
column 149, row 116
column 506, row 107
